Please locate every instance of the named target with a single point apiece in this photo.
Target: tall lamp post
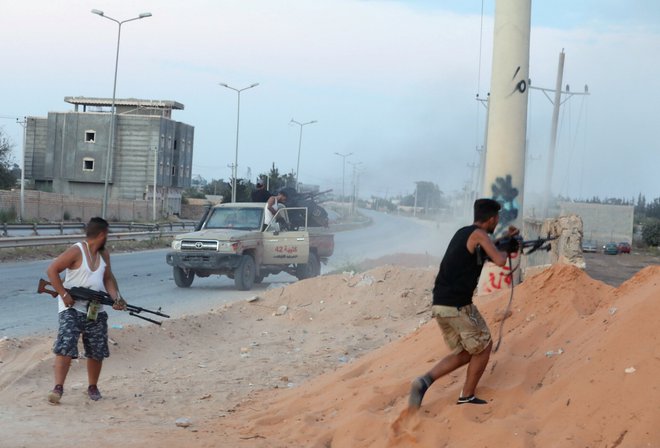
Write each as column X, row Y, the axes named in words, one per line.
column 343, row 173
column 299, row 145
column 356, row 174
column 111, row 141
column 238, row 117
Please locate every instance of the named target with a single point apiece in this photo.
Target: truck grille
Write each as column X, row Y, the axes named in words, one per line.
column 199, row 245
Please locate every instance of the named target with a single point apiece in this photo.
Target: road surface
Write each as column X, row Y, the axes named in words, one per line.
column 146, row 280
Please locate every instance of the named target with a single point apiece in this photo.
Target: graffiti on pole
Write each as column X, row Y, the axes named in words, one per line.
column 505, row 193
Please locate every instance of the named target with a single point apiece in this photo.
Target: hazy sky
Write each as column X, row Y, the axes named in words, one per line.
column 392, row 82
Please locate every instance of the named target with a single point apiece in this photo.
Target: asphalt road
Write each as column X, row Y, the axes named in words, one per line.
column 146, row 280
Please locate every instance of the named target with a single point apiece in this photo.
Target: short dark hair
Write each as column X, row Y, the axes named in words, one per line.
column 283, row 193
column 484, row 209
column 96, row 226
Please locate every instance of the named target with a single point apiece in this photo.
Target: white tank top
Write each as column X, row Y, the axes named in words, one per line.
column 84, row 277
column 268, row 216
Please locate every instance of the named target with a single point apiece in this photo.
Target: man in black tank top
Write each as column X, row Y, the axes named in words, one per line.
column 463, row 327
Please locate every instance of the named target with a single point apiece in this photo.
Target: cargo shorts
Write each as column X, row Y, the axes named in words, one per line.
column 463, row 328
column 94, row 334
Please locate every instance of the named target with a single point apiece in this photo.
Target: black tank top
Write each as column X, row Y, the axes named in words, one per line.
column 459, row 272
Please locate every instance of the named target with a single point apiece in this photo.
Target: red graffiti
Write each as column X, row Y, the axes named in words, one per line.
column 503, row 276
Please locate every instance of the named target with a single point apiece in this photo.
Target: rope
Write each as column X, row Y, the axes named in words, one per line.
column 508, row 306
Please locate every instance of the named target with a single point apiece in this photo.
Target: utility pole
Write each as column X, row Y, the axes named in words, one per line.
column 504, row 177
column 155, row 181
column 557, row 102
column 343, row 173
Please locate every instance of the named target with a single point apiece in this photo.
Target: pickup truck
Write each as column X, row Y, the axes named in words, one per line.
column 233, row 240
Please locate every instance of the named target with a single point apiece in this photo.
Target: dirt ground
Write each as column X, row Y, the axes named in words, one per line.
column 327, row 362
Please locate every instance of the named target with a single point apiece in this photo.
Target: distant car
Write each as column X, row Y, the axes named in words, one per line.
column 589, row 247
column 624, row 248
column 611, row 249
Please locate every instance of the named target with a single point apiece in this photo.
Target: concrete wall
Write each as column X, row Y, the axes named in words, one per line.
column 42, row 206
column 602, row 223
column 565, row 249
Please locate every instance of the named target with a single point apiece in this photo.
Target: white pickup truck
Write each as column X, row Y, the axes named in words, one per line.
column 232, row 240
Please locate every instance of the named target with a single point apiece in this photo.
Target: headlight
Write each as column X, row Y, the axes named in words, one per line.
column 227, row 246
column 176, row 244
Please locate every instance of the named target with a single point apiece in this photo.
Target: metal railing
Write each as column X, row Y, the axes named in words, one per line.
column 76, row 232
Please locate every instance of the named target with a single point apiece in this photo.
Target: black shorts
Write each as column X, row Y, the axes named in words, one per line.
column 94, row 333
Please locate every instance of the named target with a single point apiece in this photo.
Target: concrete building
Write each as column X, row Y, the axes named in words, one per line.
column 602, row 223
column 67, row 151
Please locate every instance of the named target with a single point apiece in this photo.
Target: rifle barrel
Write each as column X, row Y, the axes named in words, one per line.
column 80, row 293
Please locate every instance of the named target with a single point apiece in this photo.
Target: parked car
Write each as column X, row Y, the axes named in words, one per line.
column 589, row 246
column 624, row 248
column 611, row 249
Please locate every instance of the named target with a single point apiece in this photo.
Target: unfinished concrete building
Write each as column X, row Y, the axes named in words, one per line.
column 67, row 152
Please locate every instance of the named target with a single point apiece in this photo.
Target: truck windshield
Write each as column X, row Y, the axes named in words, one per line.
column 235, row 218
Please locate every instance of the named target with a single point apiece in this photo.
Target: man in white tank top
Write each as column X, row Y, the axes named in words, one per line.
column 273, row 204
column 85, row 264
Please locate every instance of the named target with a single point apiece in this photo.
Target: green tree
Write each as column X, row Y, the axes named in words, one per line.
column 9, row 171
column 217, row 187
column 275, row 181
column 651, row 232
column 429, row 197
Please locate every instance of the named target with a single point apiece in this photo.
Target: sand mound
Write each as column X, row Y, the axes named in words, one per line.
column 559, row 379
column 640, row 280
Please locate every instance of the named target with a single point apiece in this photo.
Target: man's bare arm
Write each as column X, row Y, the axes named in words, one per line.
column 67, row 259
column 110, row 282
column 480, row 238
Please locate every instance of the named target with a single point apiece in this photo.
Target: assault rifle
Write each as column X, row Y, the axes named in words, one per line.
column 80, row 293
column 516, row 243
column 512, row 245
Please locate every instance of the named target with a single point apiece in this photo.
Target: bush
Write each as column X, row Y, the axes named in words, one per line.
column 8, row 215
column 651, row 232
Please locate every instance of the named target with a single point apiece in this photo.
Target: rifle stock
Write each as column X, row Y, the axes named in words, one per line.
column 80, row 293
column 42, row 288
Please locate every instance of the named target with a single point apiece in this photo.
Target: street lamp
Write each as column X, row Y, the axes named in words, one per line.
column 299, row 145
column 238, row 117
column 343, row 172
column 111, row 141
column 356, row 174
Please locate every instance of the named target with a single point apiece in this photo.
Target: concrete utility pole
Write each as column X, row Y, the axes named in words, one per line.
column 507, row 110
column 557, row 102
column 504, row 177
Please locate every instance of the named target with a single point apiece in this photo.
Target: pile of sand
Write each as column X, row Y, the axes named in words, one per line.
column 328, row 362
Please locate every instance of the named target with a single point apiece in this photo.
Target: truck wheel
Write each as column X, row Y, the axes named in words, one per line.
column 310, row 269
column 245, row 273
column 183, row 279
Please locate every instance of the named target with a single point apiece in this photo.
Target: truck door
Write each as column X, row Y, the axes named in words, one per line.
column 286, row 245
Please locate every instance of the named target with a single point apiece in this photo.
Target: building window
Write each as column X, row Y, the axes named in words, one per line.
column 173, row 170
column 90, row 136
column 88, row 164
column 175, row 145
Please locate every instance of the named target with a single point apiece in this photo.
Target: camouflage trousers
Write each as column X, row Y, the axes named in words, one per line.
column 94, row 334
